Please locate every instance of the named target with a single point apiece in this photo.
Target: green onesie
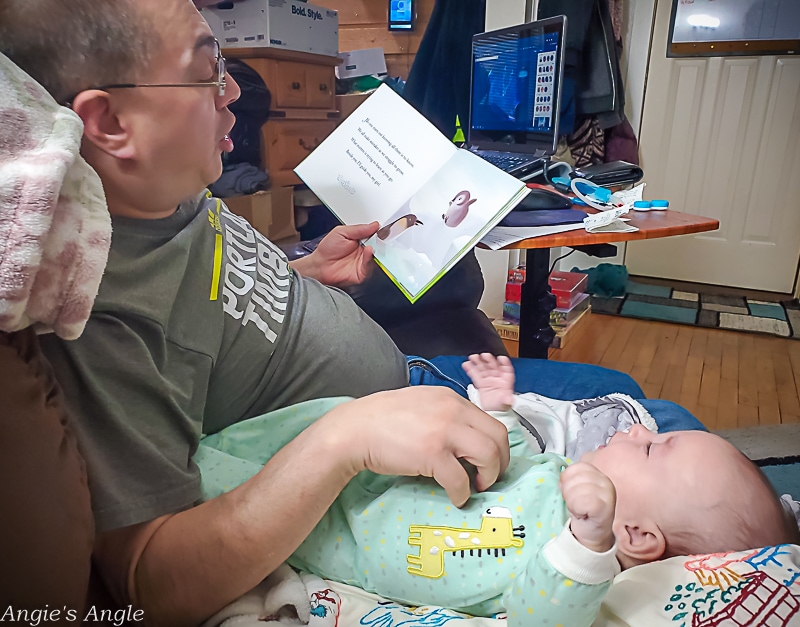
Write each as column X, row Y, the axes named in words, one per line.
column 507, row 550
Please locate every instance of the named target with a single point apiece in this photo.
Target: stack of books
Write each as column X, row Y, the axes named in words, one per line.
column 511, row 306
column 572, row 304
column 572, row 307
column 509, row 333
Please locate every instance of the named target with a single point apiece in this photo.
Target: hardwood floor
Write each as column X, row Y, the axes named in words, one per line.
column 727, row 379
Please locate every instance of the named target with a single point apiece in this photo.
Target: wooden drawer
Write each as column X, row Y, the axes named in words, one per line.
column 320, row 85
column 285, row 143
column 289, row 85
column 297, row 85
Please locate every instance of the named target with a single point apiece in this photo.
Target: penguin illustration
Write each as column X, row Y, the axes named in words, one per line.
column 458, row 209
column 393, row 229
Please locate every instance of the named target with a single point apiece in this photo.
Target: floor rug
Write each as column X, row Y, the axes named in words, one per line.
column 737, row 313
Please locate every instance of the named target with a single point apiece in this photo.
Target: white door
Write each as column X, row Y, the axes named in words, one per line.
column 721, row 138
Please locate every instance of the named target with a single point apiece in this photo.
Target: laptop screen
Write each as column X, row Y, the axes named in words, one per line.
column 516, row 87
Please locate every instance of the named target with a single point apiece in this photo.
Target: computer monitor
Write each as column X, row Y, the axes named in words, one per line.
column 516, row 88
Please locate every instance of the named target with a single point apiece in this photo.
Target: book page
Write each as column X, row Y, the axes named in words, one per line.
column 443, row 220
column 375, row 160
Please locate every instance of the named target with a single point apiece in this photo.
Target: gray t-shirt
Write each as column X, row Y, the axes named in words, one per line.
column 201, row 323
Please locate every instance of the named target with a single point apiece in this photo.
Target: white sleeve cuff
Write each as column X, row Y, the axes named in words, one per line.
column 508, row 418
column 576, row 562
column 474, row 395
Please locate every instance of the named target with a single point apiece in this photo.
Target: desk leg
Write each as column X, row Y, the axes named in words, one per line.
column 535, row 332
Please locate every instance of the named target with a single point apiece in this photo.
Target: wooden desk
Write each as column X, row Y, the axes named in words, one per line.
column 535, row 333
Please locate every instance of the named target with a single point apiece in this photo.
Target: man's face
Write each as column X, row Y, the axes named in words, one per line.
column 664, row 475
column 179, row 132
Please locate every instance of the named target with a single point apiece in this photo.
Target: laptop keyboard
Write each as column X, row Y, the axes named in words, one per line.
column 506, row 161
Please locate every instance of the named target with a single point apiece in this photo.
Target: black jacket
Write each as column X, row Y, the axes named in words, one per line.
column 591, row 58
column 439, row 81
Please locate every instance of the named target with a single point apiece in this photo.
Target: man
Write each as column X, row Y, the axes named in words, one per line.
column 156, row 361
column 200, row 323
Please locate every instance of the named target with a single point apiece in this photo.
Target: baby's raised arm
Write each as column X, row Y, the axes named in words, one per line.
column 493, row 377
column 590, row 499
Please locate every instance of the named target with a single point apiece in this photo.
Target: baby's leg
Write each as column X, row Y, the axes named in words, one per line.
column 493, row 377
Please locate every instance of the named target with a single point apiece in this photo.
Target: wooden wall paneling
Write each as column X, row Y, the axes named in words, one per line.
column 363, row 24
column 374, row 36
column 398, row 65
column 355, row 12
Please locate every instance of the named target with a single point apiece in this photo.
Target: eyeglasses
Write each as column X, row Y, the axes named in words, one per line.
column 220, row 83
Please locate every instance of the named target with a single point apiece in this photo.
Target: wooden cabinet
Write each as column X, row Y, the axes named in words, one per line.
column 303, row 109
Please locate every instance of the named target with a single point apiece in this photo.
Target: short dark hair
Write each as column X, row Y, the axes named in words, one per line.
column 70, row 46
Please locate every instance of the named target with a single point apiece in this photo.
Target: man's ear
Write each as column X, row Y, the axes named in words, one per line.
column 102, row 125
column 640, row 543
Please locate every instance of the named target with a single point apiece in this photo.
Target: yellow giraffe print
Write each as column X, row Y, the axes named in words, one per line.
column 496, row 532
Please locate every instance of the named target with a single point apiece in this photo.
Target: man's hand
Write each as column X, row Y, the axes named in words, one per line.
column 590, row 499
column 420, row 430
column 340, row 259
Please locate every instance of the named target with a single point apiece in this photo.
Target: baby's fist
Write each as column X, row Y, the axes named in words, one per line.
column 590, row 499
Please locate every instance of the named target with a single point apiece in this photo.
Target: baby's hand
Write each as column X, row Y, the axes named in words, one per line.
column 493, row 377
column 590, row 499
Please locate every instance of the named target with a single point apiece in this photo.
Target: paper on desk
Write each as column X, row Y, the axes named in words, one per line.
column 629, row 196
column 501, row 236
column 609, row 222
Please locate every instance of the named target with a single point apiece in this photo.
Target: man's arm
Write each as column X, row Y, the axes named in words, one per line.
column 181, row 569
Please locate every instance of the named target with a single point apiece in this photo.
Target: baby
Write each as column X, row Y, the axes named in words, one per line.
column 678, row 493
column 545, row 541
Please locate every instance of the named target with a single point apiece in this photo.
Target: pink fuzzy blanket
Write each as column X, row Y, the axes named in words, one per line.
column 55, row 229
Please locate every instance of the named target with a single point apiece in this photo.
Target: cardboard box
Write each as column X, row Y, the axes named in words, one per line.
column 361, row 63
column 349, row 103
column 286, row 24
column 271, row 212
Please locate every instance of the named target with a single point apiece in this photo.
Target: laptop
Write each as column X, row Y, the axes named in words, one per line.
column 515, row 95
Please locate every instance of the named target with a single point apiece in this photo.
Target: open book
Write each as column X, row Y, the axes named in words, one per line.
column 433, row 201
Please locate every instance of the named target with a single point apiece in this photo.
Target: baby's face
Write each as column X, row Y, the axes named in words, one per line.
column 664, row 474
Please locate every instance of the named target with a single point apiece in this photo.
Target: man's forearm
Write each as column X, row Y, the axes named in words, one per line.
column 182, row 568
column 200, row 560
